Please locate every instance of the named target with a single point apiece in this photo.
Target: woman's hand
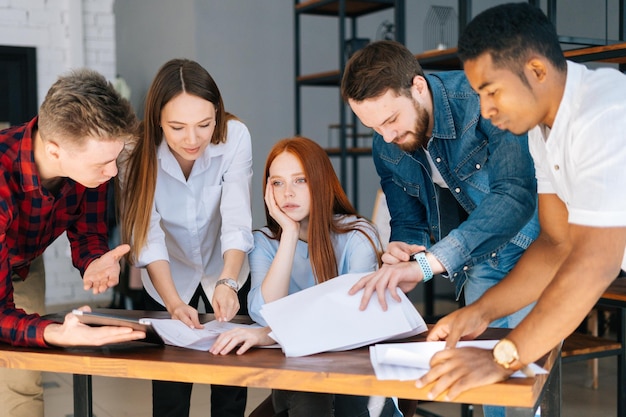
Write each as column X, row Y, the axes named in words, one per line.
column 187, row 315
column 225, row 303
column 284, row 221
column 246, row 337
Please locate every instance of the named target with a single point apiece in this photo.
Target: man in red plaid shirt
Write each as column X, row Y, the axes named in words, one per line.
column 54, row 174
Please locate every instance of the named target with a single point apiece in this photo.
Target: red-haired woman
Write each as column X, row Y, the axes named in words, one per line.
column 312, row 235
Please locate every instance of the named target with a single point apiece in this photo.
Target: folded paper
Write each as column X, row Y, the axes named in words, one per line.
column 408, row 361
column 326, row 318
column 176, row 333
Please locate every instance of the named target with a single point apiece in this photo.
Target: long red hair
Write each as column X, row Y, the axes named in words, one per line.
column 327, row 200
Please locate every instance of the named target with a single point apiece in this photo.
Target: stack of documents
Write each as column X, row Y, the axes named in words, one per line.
column 168, row 331
column 408, row 361
column 176, row 333
column 326, row 318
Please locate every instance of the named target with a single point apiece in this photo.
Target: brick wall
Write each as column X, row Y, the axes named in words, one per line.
column 67, row 34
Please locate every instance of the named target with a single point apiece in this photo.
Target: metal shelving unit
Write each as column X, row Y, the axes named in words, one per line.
column 591, row 50
column 347, row 13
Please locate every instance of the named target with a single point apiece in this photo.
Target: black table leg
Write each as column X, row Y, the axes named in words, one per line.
column 550, row 399
column 83, row 400
column 621, row 358
column 621, row 365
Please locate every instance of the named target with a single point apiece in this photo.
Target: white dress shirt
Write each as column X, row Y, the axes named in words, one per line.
column 195, row 221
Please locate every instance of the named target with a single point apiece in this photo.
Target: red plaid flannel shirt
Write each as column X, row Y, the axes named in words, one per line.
column 31, row 218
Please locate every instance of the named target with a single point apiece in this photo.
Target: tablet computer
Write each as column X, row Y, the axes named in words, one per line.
column 94, row 318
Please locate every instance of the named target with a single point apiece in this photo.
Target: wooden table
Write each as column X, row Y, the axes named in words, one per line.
column 615, row 296
column 348, row 372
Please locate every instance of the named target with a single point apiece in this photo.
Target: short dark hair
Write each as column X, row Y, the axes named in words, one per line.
column 378, row 67
column 511, row 33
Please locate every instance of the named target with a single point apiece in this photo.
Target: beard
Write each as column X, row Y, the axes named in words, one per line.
column 412, row 141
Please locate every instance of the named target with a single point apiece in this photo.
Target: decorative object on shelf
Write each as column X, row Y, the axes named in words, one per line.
column 350, row 146
column 386, row 31
column 121, row 86
column 363, row 139
column 353, row 45
column 440, row 28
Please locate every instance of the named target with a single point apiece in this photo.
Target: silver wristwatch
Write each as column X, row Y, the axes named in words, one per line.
column 229, row 282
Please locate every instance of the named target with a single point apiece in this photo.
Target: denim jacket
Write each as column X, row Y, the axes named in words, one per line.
column 489, row 171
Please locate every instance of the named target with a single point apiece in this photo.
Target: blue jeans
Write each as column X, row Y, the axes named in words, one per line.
column 484, row 276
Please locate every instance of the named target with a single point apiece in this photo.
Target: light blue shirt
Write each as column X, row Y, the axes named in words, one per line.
column 353, row 251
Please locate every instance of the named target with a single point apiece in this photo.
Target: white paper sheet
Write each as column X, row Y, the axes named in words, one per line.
column 408, row 361
column 326, row 318
column 176, row 333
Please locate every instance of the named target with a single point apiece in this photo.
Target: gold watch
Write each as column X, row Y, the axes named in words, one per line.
column 505, row 354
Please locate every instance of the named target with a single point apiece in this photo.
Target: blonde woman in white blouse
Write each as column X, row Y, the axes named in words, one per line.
column 186, row 211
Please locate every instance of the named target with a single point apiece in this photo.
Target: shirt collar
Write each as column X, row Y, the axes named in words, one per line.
column 170, row 164
column 570, row 100
column 443, row 124
column 573, row 82
column 25, row 160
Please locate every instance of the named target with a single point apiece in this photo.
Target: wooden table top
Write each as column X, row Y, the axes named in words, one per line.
column 617, row 290
column 348, row 372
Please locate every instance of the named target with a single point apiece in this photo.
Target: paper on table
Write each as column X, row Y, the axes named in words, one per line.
column 325, row 318
column 176, row 333
column 407, row 361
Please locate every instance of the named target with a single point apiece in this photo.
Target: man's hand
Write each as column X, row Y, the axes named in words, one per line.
column 104, row 272
column 74, row 333
column 467, row 323
column 400, row 252
column 225, row 303
column 458, row 370
column 403, row 275
column 246, row 338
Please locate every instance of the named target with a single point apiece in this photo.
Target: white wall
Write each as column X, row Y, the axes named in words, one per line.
column 245, row 45
column 248, row 46
column 67, row 34
column 150, row 32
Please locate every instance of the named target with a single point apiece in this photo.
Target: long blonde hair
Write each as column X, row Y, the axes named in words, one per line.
column 175, row 77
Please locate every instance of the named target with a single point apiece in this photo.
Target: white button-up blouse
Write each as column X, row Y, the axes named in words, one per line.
column 195, row 221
